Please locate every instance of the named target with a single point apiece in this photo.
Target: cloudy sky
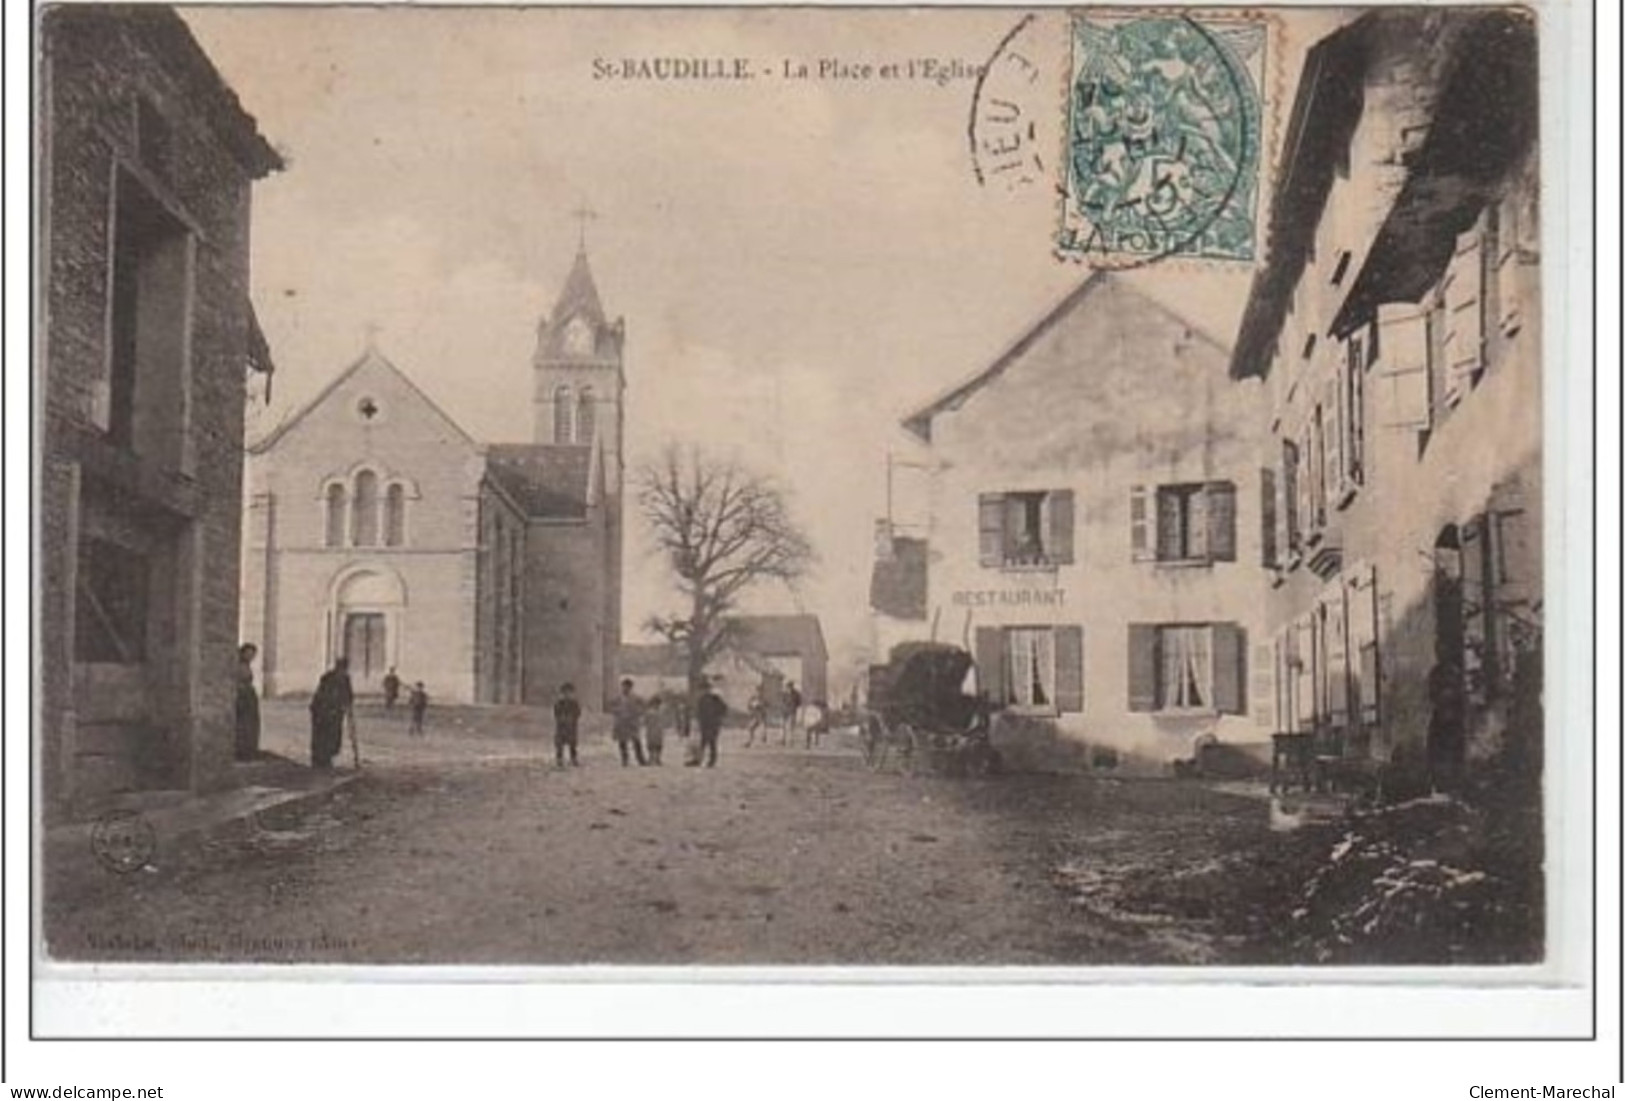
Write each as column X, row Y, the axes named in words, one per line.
column 799, row 263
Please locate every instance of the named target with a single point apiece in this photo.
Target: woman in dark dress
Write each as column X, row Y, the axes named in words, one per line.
column 329, row 707
column 248, row 704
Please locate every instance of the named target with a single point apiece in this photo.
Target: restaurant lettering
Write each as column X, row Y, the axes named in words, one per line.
column 1010, row 598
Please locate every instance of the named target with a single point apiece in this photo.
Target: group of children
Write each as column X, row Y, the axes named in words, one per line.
column 640, row 727
column 417, row 700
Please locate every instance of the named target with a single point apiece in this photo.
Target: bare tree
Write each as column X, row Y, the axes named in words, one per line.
column 722, row 529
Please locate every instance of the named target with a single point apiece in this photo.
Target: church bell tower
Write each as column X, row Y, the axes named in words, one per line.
column 579, row 378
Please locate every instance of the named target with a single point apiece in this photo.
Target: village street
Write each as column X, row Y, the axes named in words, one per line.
column 468, row 847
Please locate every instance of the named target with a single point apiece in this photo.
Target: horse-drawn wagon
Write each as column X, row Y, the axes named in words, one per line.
column 920, row 715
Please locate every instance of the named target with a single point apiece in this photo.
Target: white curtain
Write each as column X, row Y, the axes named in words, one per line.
column 1032, row 667
column 1187, row 667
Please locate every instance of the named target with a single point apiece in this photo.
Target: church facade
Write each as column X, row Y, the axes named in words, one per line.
column 378, row 530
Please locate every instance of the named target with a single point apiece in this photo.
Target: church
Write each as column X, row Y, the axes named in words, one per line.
column 376, row 529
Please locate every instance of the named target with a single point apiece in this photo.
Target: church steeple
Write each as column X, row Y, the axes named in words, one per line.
column 578, row 368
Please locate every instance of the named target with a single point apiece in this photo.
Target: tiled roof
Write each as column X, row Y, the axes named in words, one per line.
column 651, row 659
column 547, row 481
column 777, row 634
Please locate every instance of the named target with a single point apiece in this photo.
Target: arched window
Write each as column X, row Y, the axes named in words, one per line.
column 335, row 515
column 563, row 416
column 364, row 510
column 395, row 515
column 586, row 416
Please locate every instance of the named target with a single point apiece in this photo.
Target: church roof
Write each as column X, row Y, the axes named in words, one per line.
column 547, row 481
column 372, row 359
column 580, row 294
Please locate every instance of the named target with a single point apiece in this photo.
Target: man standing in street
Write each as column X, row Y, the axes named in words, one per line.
column 628, row 718
column 710, row 711
column 392, row 689
column 566, row 723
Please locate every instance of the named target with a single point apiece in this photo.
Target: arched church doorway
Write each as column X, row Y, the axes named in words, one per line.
column 367, row 615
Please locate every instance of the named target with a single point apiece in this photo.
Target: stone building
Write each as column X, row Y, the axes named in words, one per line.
column 1095, row 531
column 146, row 338
column 379, row 530
column 771, row 651
column 1396, row 325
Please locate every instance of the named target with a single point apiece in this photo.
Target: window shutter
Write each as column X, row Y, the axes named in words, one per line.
column 1508, row 295
column 1404, row 380
column 1268, row 518
column 1263, row 686
column 990, row 521
column 1142, row 667
column 1289, row 495
column 1332, row 469
column 1229, row 669
column 1285, row 713
column 1365, row 674
column 1303, row 655
column 990, row 662
column 1464, row 316
column 1059, row 548
column 1221, row 521
column 1337, row 655
column 1354, row 413
column 1476, row 622
column 1139, row 525
column 1069, row 669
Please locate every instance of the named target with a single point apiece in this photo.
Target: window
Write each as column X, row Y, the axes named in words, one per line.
column 1404, row 362
column 563, row 416
column 1462, row 294
column 110, row 606
column 364, row 511
column 1193, row 523
column 1026, row 528
column 1342, row 268
column 335, row 515
column 142, row 403
column 1187, row 667
column 1035, row 669
column 1269, row 519
column 586, row 416
column 395, row 515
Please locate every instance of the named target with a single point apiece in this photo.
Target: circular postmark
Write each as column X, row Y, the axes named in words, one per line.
column 1162, row 138
column 1008, row 110
column 123, row 841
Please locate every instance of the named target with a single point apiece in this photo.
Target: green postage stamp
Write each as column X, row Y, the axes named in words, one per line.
column 1163, row 136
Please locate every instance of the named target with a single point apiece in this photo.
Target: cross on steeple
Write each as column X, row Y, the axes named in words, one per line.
column 583, row 214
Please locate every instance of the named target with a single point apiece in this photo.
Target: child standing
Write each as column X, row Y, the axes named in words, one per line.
column 419, row 702
column 655, row 719
column 566, row 722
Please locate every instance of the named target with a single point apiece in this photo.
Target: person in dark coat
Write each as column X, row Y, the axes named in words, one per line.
column 329, row 707
column 418, row 702
column 392, row 689
column 710, row 711
column 566, row 724
column 248, row 704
